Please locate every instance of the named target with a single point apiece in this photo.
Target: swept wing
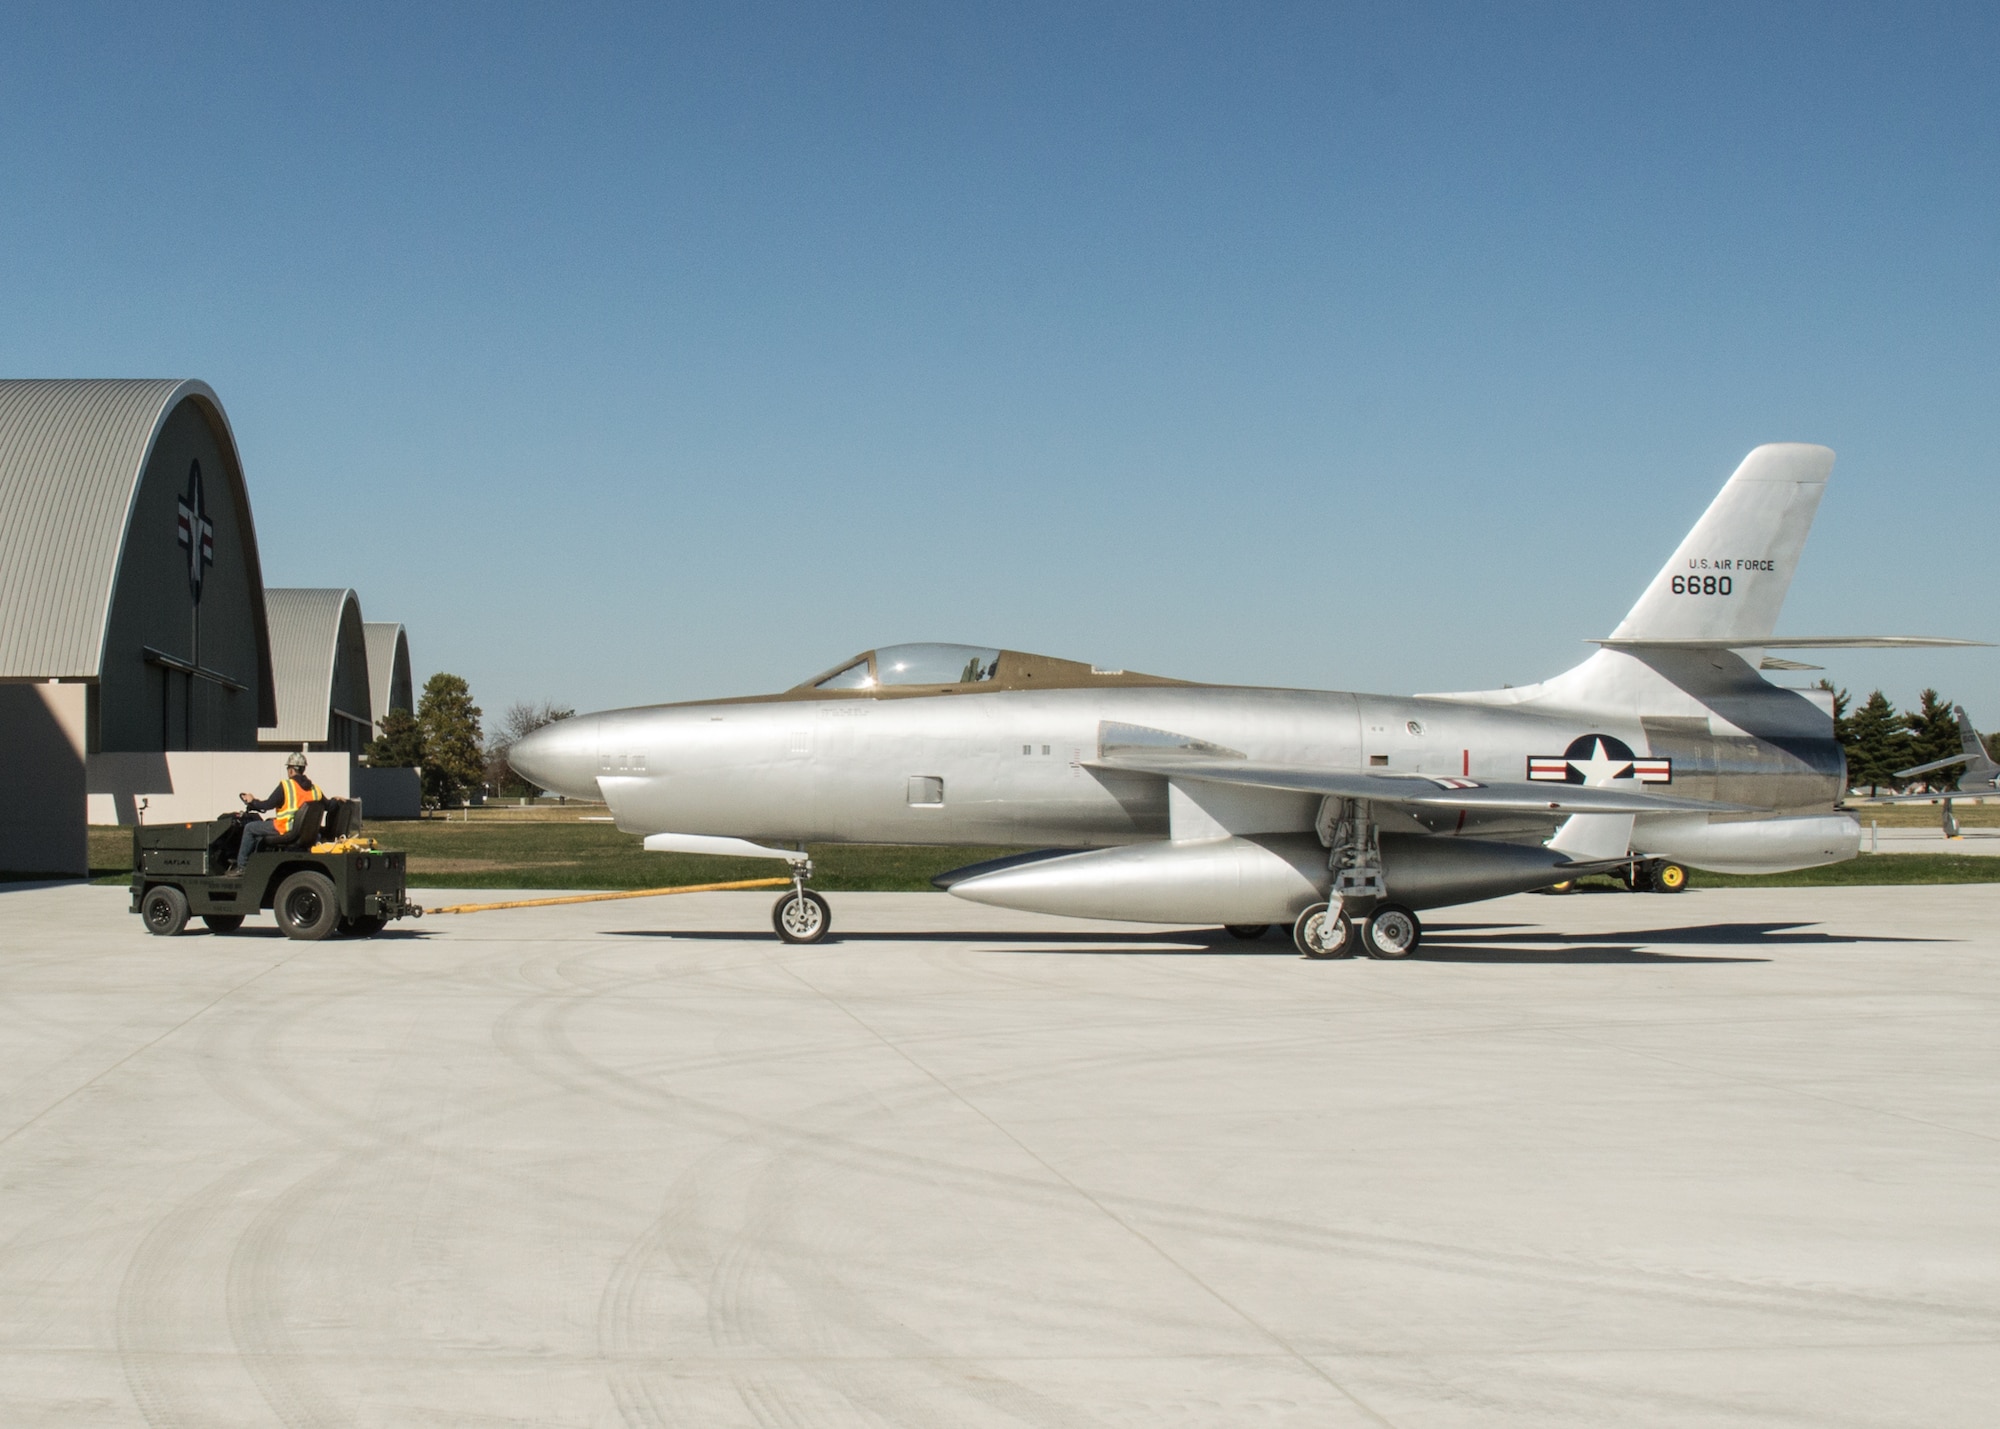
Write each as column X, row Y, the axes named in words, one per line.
column 1416, row 790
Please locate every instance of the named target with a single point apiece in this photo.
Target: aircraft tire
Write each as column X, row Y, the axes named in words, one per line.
column 1670, row 878
column 1306, row 934
column 165, row 910
column 1248, row 932
column 366, row 926
column 1392, row 931
column 222, row 922
column 801, row 917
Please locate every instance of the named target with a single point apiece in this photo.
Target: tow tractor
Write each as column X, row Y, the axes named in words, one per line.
column 322, row 877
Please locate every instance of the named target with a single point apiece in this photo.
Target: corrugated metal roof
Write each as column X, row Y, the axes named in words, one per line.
column 388, row 656
column 305, row 643
column 71, row 453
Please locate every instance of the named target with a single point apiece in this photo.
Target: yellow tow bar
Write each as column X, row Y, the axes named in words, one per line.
column 607, row 897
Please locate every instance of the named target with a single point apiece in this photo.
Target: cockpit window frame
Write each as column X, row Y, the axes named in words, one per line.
column 869, row 682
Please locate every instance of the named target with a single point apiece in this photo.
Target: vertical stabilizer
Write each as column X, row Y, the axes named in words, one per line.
column 1729, row 577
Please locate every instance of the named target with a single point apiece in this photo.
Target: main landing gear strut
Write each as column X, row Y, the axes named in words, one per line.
column 801, row 916
column 1358, row 895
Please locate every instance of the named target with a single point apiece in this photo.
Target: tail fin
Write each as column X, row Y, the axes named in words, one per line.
column 1729, row 577
column 1979, row 767
column 1977, row 760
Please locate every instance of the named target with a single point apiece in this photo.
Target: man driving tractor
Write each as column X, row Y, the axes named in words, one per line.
column 294, row 791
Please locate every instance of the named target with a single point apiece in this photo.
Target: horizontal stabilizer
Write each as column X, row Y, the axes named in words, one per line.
column 1934, row 764
column 1418, row 790
column 1797, row 642
column 1972, row 795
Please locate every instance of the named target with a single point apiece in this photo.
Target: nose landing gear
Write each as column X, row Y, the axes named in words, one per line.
column 801, row 916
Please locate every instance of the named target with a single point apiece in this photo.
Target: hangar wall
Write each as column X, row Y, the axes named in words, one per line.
column 42, row 733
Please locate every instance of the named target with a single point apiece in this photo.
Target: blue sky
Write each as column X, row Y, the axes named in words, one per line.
column 654, row 353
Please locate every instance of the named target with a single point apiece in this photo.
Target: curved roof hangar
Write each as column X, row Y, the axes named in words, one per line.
column 320, row 659
column 128, row 559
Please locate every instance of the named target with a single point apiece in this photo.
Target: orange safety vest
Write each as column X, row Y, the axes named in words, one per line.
column 296, row 794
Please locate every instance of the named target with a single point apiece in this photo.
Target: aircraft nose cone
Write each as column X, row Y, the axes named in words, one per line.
column 561, row 757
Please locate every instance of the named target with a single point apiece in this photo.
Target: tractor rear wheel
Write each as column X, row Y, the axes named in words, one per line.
column 305, row 906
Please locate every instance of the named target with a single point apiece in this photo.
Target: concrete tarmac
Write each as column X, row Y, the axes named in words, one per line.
column 1727, row 1158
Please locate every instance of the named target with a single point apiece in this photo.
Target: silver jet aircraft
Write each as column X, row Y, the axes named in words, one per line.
column 1340, row 815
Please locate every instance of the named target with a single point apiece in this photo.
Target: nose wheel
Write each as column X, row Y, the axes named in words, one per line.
column 801, row 916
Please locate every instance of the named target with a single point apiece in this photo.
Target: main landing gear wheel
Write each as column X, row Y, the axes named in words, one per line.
column 165, row 911
column 222, row 922
column 1670, row 878
column 1392, row 931
column 1248, row 932
column 801, row 916
column 1317, row 937
column 305, row 906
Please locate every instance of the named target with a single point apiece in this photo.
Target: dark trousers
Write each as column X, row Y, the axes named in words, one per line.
column 254, row 834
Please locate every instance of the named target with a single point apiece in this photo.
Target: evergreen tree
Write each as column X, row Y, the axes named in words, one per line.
column 1878, row 744
column 1934, row 735
column 399, row 746
column 1840, row 719
column 454, row 761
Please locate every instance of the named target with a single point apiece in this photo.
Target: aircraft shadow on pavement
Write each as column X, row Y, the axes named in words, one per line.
column 1443, row 942
column 1164, row 944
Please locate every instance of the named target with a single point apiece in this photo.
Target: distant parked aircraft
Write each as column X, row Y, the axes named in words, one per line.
column 1979, row 779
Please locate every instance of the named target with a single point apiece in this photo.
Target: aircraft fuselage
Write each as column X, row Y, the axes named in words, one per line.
column 1012, row 766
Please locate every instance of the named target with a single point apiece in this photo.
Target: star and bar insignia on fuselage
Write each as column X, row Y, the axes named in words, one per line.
column 1597, row 759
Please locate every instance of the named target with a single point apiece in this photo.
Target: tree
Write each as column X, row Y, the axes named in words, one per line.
column 448, row 722
column 1878, row 744
column 1934, row 735
column 521, row 720
column 1840, row 703
column 399, row 746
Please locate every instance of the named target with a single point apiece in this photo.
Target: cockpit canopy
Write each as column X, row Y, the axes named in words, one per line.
column 925, row 669
column 919, row 664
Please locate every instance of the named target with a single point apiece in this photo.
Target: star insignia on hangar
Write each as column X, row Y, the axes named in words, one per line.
column 195, row 531
column 1596, row 760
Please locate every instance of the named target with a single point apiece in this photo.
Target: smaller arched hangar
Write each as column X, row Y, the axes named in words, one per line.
column 319, row 658
column 388, row 669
